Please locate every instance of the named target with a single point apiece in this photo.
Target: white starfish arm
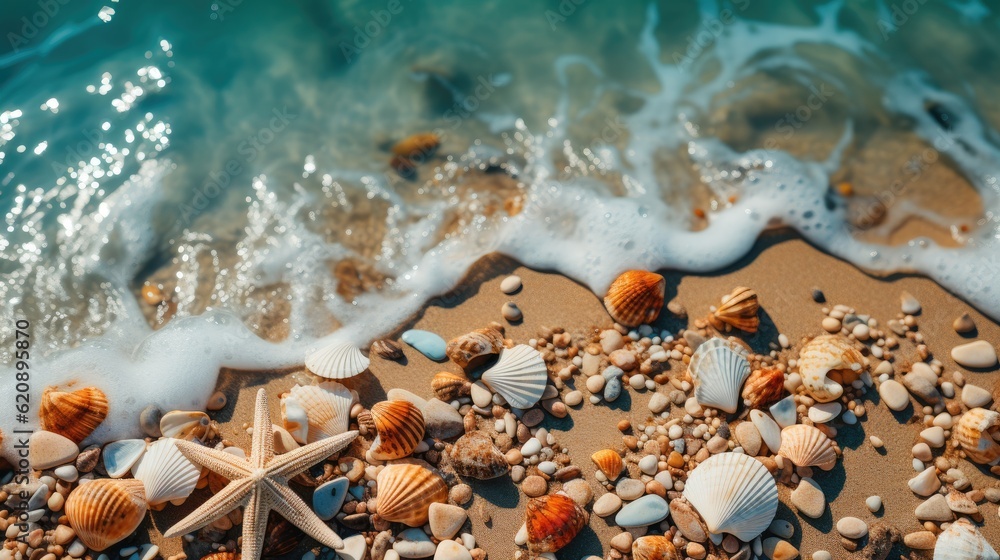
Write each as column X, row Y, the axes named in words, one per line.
column 262, row 448
column 234, row 495
column 226, row 464
column 298, row 460
column 291, row 507
column 255, row 522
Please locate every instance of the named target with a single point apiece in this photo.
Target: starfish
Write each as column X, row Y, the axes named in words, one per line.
column 260, row 484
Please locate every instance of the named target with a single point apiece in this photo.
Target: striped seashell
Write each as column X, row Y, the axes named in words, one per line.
column 635, row 298
column 976, row 432
column 519, row 376
column 733, row 493
column 185, row 424
column 387, row 349
column 719, row 368
column 654, row 547
column 738, row 310
column 337, row 360
column 474, row 455
column 75, row 414
column 963, row 541
column 471, row 349
column 326, row 407
column 827, row 361
column 449, row 386
column 400, row 427
column 105, row 511
column 763, row 387
column 166, row 474
column 552, row 522
column 807, row 446
column 609, row 462
column 406, row 492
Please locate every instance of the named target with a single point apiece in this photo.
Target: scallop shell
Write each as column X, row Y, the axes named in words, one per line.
column 824, row 358
column 963, row 541
column 733, row 493
column 73, row 415
column 406, row 492
column 337, row 360
column 474, row 455
column 609, row 462
column 472, row 348
column 166, row 473
column 519, row 376
column 974, row 433
column 654, row 547
column 400, row 427
column 807, row 446
column 184, row 424
column 449, row 386
column 635, row 298
column 738, row 310
column 719, row 368
column 552, row 522
column 105, row 511
column 763, row 387
column 327, row 410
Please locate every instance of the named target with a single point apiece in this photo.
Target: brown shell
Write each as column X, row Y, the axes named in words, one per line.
column 635, row 297
column 552, row 522
column 417, row 145
column 400, row 427
column 105, row 511
column 387, row 349
column 281, row 536
column 73, row 415
column 609, row 461
column 654, row 547
column 738, row 310
column 450, row 386
column 807, row 446
column 974, row 433
column 474, row 455
column 763, row 387
column 406, row 492
column 471, row 349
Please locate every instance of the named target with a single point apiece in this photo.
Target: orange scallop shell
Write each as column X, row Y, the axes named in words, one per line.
column 105, row 511
column 400, row 427
column 654, row 547
column 763, row 387
column 552, row 522
column 73, row 415
column 738, row 310
column 472, row 348
column 406, row 492
column 635, row 297
column 807, row 446
column 609, row 461
column 450, row 386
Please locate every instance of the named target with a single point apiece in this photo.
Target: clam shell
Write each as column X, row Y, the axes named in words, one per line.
column 406, row 492
column 824, row 357
column 719, row 368
column 963, row 541
column 738, row 310
column 973, row 433
column 519, row 376
column 400, row 427
column 449, row 386
column 337, row 360
column 474, row 455
column 472, row 348
column 635, row 298
column 166, row 474
column 552, row 521
column 326, row 407
column 807, row 446
column 105, row 511
column 654, row 547
column 609, row 462
column 184, row 424
column 75, row 414
column 763, row 387
column 734, row 493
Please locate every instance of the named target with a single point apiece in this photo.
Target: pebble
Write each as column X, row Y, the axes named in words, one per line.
column 696, row 550
column 648, row 464
column 783, row 412
column 629, row 489
column 607, row 505
column 647, row 510
column 534, row 486
column 748, row 437
column 977, row 354
column 934, row 436
column 778, row 549
column 217, row 401
column 613, row 389
column 781, row 528
column 921, row 540
column 427, row 343
column 531, row 447
column 908, row 304
column 623, row 359
column 964, row 324
column 595, row 384
column 78, row 549
column 974, row 396
column 831, row 325
column 63, row 535
column 481, row 395
column 808, row 498
column 821, row 413
column 511, row 312
column 460, row 494
column 573, row 398
column 922, row 387
column 622, row 542
column 67, row 473
column 687, row 520
column 441, row 420
column 992, row 494
column 49, row 449
column 149, row 421
column 445, row 520
column 934, row 509
column 894, row 395
column 355, row 548
column 874, row 503
column 877, row 442
column 413, row 543
column 925, row 483
column 510, row 284
column 579, row 490
column 852, row 527
column 768, row 429
column 658, row 403
column 451, row 550
column 328, row 497
column 822, row 555
column 922, row 451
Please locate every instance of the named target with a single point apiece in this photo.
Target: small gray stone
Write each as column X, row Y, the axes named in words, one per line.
column 413, row 543
column 629, row 489
column 647, row 510
column 441, row 420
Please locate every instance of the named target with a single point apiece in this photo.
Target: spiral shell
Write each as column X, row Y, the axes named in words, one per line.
column 185, row 424
column 609, row 462
column 827, row 361
column 326, row 407
column 975, row 433
column 654, row 547
column 473, row 348
column 449, row 386
column 406, row 492
column 105, row 511
column 73, row 415
column 738, row 310
column 400, row 427
column 474, row 455
column 733, row 493
column 807, row 446
column 635, row 298
column 763, row 387
column 552, row 522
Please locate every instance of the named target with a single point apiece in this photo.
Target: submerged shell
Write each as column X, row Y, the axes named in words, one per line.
column 75, row 414
column 719, row 368
column 450, row 386
column 654, row 547
column 974, row 433
column 472, row 348
column 963, row 541
column 738, row 310
column 326, row 407
column 519, row 376
column 635, row 298
column 406, row 492
column 763, row 387
column 807, row 446
column 166, row 474
column 733, row 493
column 827, row 361
column 400, row 427
column 552, row 522
column 474, row 455
column 337, row 360
column 184, row 424
column 417, row 145
column 609, row 462
column 105, row 511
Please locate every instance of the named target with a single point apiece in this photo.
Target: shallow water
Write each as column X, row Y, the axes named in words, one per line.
column 237, row 156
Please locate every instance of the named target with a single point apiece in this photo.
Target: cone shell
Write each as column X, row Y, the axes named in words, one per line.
column 166, row 474
column 519, row 376
column 609, row 462
column 807, row 446
column 963, row 541
column 73, row 414
column 474, row 455
column 719, row 368
column 449, row 386
column 184, row 424
column 974, row 433
column 763, row 387
column 105, row 511
column 654, row 547
column 400, row 427
column 733, row 493
column 552, row 522
column 406, row 492
column 827, row 361
column 472, row 348
column 337, row 360
column 738, row 310
column 635, row 298
column 417, row 145
column 326, row 407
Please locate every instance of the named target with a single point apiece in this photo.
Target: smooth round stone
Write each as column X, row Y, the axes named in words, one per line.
column 894, row 395
column 831, row 325
column 934, row 436
column 613, row 389
column 925, row 483
column 49, row 449
column 607, row 505
column 67, row 473
column 874, row 503
column 922, row 451
column 534, row 486
column 413, row 543
column 355, row 548
column 768, row 429
column 441, row 420
column 658, row 403
column 629, row 489
column 808, row 498
column 781, row 528
column 964, row 324
column 748, row 438
column 481, row 395
column 974, row 396
column 573, row 398
column 648, row 464
column 976, row 354
column 821, row 413
column 445, row 520
column 548, row 467
column 531, row 447
column 510, row 284
column 38, row 498
column 328, row 497
column 595, row 384
column 451, row 550
column 511, row 312
column 77, row 549
column 921, row 540
column 427, row 343
column 934, row 509
column 909, row 304
column 778, row 549
column 647, row 510
column 822, row 555
column 852, row 527
column 579, row 490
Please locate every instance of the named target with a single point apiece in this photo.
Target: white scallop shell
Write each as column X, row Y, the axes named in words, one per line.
column 733, row 493
column 166, row 473
column 337, row 360
column 719, row 368
column 963, row 541
column 519, row 376
column 327, row 410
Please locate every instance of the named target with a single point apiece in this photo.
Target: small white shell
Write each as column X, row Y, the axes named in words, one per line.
column 166, row 473
column 822, row 356
column 733, row 493
column 326, row 409
column 963, row 541
column 185, row 424
column 719, row 368
column 337, row 360
column 519, row 376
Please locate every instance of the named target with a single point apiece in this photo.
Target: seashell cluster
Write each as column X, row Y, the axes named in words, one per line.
column 807, row 446
column 963, row 541
column 733, row 493
column 105, row 511
column 166, row 474
column 654, row 547
column 519, row 376
column 316, row 412
column 737, row 311
column 635, row 298
column 474, row 455
column 552, row 522
column 976, row 432
column 825, row 363
column 450, row 386
column 337, row 360
column 719, row 368
column 400, row 427
column 763, row 387
column 406, row 492
column 609, row 462
column 185, row 424
column 471, row 349
column 73, row 414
